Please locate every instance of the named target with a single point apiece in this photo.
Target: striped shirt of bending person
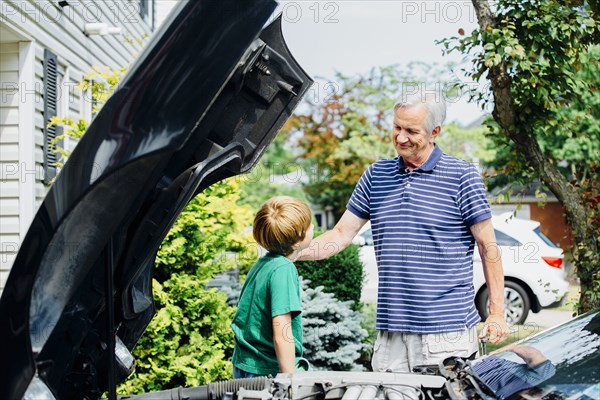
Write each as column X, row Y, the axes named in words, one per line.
column 423, row 244
column 506, row 377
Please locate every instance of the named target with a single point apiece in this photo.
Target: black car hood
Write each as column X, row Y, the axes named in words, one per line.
column 201, row 104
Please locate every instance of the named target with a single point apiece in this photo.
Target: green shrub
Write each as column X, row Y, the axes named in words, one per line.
column 210, row 227
column 189, row 341
column 342, row 275
column 332, row 331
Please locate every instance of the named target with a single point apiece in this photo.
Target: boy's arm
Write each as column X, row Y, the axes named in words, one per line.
column 334, row 240
column 283, row 339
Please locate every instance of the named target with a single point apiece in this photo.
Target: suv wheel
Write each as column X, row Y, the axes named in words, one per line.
column 516, row 302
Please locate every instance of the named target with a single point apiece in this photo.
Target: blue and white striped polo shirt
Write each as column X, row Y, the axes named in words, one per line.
column 423, row 244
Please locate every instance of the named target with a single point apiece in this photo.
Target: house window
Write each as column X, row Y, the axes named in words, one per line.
column 50, row 81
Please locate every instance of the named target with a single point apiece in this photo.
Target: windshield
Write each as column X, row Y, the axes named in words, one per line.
column 561, row 363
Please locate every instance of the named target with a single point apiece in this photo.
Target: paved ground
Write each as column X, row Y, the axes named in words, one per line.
column 548, row 318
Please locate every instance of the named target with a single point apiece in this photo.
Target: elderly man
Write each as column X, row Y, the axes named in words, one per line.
column 427, row 209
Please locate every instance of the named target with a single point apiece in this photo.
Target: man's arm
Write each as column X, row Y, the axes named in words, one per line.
column 283, row 340
column 532, row 356
column 334, row 240
column 495, row 327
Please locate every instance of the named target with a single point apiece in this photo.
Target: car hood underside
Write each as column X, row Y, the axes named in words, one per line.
column 201, row 104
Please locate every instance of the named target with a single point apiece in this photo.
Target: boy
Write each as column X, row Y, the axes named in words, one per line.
column 267, row 325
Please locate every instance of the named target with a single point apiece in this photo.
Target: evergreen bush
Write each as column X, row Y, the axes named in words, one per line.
column 342, row 275
column 332, row 331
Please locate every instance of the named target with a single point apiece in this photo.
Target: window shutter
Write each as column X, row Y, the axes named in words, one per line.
column 145, row 12
column 50, row 110
column 144, row 8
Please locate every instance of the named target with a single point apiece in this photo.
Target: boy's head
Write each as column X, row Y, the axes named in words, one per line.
column 281, row 223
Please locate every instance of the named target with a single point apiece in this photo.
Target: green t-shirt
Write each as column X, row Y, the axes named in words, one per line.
column 271, row 288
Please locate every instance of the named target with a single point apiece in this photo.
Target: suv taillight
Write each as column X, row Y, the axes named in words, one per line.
column 555, row 262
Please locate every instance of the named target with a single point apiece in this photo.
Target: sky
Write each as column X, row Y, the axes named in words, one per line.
column 353, row 36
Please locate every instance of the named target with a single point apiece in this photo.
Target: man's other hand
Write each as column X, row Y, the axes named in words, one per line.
column 495, row 329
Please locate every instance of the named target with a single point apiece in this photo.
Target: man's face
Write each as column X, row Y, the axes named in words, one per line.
column 410, row 138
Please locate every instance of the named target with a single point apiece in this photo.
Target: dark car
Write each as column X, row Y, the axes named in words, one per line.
column 202, row 103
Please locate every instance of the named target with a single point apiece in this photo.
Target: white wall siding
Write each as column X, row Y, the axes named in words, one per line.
column 9, row 156
column 61, row 30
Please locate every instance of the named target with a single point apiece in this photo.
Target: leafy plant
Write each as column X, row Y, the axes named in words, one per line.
column 211, row 228
column 188, row 342
column 341, row 275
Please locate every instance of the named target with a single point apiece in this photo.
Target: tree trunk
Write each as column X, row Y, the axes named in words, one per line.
column 505, row 114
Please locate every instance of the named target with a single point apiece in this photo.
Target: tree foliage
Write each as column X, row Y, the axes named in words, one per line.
column 349, row 128
column 541, row 58
column 469, row 144
column 210, row 235
column 279, row 172
column 189, row 341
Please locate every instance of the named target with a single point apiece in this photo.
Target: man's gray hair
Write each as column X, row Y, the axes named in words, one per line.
column 433, row 100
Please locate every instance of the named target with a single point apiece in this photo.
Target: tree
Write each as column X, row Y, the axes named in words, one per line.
column 469, row 144
column 538, row 57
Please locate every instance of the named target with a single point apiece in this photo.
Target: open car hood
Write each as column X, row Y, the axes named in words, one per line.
column 201, row 104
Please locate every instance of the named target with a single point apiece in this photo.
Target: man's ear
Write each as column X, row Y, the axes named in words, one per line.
column 436, row 131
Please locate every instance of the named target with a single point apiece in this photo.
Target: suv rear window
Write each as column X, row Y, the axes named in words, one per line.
column 545, row 238
column 502, row 239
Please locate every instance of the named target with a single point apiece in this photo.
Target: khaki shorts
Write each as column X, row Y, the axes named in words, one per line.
column 401, row 352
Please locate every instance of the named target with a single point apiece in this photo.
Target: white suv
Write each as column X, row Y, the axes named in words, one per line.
column 533, row 268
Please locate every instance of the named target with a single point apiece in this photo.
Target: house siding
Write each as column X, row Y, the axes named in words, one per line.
column 36, row 26
column 9, row 157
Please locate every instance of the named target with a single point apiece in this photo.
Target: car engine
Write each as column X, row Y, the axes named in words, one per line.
column 450, row 380
column 312, row 386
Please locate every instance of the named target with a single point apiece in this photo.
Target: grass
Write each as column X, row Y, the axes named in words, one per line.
column 572, row 299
